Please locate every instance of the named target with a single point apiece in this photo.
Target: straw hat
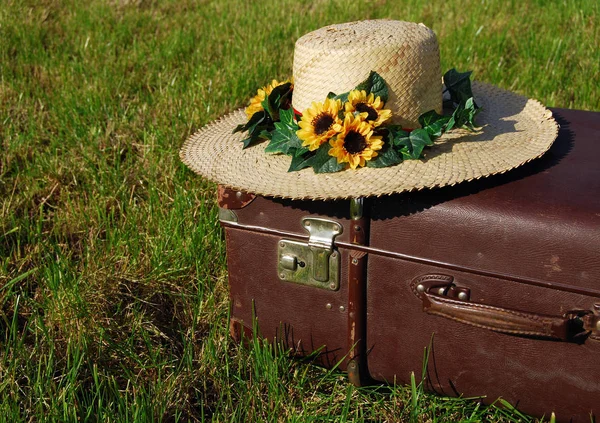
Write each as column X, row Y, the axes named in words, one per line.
column 336, row 58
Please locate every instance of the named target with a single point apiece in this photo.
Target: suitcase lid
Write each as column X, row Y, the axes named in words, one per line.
column 539, row 223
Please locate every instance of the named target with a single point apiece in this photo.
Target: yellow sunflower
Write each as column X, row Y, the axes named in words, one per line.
column 355, row 144
column 262, row 93
column 367, row 105
column 319, row 123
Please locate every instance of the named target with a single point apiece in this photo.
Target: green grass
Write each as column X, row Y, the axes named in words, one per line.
column 113, row 296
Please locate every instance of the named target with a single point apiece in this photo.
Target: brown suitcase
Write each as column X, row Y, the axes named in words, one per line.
column 499, row 279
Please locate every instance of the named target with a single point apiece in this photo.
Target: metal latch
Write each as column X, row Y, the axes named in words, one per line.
column 314, row 263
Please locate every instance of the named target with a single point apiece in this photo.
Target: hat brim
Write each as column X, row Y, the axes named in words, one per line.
column 515, row 130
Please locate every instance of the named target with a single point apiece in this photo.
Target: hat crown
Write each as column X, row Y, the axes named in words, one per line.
column 338, row 57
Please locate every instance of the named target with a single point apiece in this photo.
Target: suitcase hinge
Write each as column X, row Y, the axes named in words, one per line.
column 314, row 263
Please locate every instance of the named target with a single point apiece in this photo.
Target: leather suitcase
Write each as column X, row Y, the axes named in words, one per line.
column 498, row 279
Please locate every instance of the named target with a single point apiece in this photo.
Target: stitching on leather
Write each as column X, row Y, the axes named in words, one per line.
column 516, row 332
column 530, row 317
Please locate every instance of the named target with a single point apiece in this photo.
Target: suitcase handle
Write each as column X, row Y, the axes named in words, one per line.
column 441, row 297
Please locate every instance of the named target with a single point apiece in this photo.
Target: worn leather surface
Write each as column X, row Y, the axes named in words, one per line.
column 540, row 221
column 539, row 376
column 538, row 229
column 295, row 315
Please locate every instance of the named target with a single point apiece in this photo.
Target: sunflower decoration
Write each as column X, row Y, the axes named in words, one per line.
column 265, row 111
column 262, row 93
column 320, row 122
column 356, row 143
column 369, row 106
column 349, row 130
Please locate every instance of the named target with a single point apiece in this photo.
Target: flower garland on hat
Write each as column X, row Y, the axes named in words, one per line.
column 350, row 130
column 256, row 101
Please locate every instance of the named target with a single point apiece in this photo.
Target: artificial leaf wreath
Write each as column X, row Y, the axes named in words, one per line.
column 350, row 130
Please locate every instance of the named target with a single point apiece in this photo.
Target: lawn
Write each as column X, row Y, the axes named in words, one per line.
column 113, row 284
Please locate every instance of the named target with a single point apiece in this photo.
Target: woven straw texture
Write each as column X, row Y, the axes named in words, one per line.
column 337, row 58
column 515, row 131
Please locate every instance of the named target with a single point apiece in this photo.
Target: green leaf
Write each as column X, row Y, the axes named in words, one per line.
column 458, row 85
column 433, row 123
column 464, row 115
column 256, row 136
column 301, row 161
column 342, row 97
column 256, row 118
column 287, row 118
column 411, row 145
column 451, row 123
column 258, row 127
column 374, row 84
column 330, row 166
column 266, row 134
column 379, row 87
column 267, row 106
column 472, row 110
column 331, row 95
column 387, row 156
column 398, row 137
column 324, row 163
column 280, row 98
column 297, row 152
column 284, row 136
column 419, row 138
column 247, row 142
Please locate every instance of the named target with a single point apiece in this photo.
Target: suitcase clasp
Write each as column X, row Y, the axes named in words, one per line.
column 314, row 263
